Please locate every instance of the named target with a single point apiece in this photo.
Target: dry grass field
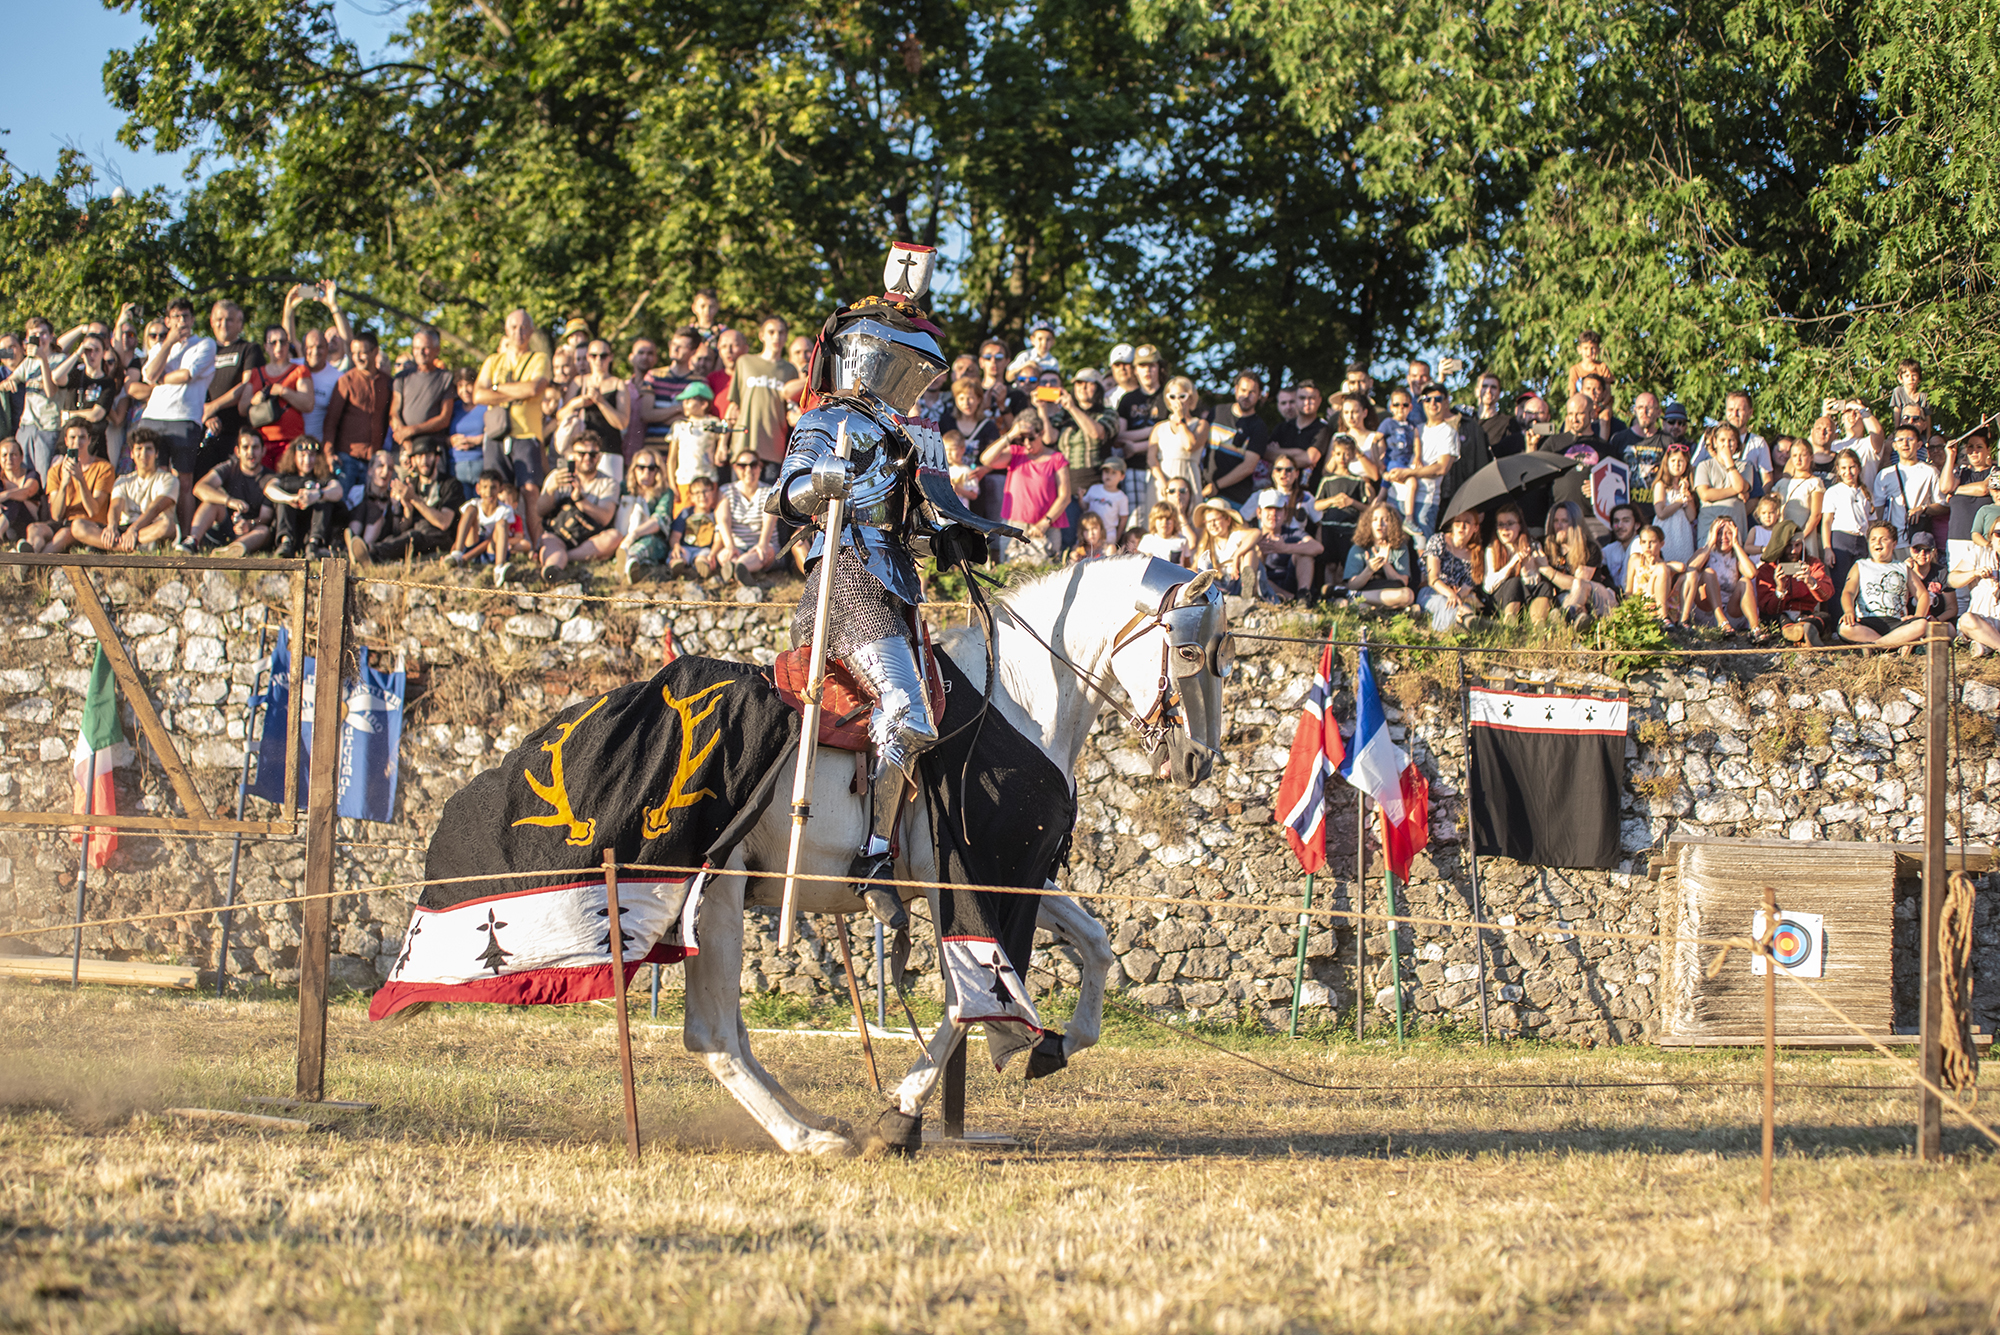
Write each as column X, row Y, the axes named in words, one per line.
column 1161, row 1188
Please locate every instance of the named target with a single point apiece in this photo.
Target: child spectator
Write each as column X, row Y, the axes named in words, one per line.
column 1589, row 360
column 1845, row 514
column 1768, row 512
column 482, row 524
column 694, row 532
column 1875, row 602
column 1909, row 390
column 698, row 444
column 79, row 487
column 1454, row 568
column 1165, row 538
column 1790, row 586
column 1342, row 497
column 1107, row 500
column 1721, row 579
column 1399, row 444
column 233, row 490
column 650, row 521
column 144, row 504
column 20, row 495
column 964, row 476
column 1803, row 496
column 1091, row 541
column 1675, row 504
column 1649, row 577
column 469, row 429
column 310, row 499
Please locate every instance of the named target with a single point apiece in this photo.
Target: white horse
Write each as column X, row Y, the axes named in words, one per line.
column 1062, row 641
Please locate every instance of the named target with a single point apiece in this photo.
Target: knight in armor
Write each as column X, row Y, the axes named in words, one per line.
column 876, row 371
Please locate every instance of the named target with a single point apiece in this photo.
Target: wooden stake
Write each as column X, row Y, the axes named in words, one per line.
column 1395, row 946
column 1937, row 718
column 854, row 996
column 1770, row 1038
column 1299, row 966
column 624, row 1020
column 322, row 798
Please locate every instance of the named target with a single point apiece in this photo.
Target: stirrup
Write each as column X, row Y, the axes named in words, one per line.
column 881, row 902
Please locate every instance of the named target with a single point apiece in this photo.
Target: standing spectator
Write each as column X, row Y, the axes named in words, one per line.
column 760, row 388
column 318, row 355
column 39, row 424
column 1124, row 378
column 993, row 375
column 423, row 399
column 232, row 494
column 578, row 507
column 20, row 496
column 1863, row 434
column 1396, row 442
column 1106, row 498
column 90, row 386
column 1439, row 450
column 1906, row 491
column 1241, row 470
column 1416, row 379
column 1643, row 446
column 1287, row 400
column 1589, row 360
column 1037, row 490
column 469, row 427
column 274, row 397
column 644, row 359
column 1083, row 430
column 1303, row 440
column 596, row 402
column 310, row 499
column 1497, row 426
column 144, row 505
column 78, row 490
column 178, row 372
column 1845, row 516
column 1178, row 443
column 423, row 509
column 665, row 386
column 1341, row 500
column 513, row 378
column 234, row 358
column 1145, row 404
column 705, row 315
column 1803, row 496
column 1969, row 486
column 749, row 535
column 699, row 443
column 1352, row 414
column 357, row 417
column 1721, row 483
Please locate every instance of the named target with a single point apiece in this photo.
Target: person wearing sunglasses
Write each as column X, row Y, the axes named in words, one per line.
column 748, row 541
column 1177, row 446
column 597, row 402
column 1437, row 450
column 578, row 504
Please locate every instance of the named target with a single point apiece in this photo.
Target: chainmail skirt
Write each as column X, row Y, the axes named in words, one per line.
column 862, row 610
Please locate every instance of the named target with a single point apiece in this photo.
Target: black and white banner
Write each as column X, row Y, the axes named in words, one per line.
column 1547, row 771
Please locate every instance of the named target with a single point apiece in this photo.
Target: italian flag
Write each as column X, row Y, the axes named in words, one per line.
column 100, row 748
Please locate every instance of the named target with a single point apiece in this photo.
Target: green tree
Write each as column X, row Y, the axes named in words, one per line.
column 68, row 252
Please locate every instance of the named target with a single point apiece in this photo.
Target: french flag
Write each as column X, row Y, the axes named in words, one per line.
column 1316, row 756
column 1385, row 772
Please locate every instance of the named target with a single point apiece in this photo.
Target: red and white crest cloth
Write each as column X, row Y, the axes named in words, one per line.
column 539, row 947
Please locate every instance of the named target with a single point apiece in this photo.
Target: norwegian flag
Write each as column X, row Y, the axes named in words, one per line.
column 1316, row 756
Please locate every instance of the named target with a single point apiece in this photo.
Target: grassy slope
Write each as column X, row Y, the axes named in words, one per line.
column 1163, row 1188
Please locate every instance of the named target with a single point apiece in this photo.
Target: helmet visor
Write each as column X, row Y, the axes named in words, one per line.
column 896, row 366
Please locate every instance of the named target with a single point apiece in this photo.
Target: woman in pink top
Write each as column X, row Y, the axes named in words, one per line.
column 1037, row 489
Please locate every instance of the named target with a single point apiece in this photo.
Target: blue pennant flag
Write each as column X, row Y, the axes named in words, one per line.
column 371, row 736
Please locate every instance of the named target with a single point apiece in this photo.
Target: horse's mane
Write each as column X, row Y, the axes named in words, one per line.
column 1060, row 585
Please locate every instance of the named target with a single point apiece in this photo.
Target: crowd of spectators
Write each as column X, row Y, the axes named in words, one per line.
column 555, row 450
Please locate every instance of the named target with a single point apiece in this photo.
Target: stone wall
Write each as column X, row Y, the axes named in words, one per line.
column 1822, row 749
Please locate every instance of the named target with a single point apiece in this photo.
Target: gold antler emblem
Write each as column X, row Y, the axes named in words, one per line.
column 582, row 833
column 691, row 760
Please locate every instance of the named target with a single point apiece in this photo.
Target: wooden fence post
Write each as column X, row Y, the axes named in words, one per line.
column 322, row 793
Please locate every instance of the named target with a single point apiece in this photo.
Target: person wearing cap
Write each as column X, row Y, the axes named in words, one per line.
column 576, row 334
column 1123, row 379
column 1083, row 431
column 699, row 442
column 1791, row 586
column 422, row 514
column 749, row 538
column 1285, row 550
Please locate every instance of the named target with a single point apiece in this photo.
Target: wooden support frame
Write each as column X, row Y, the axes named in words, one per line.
column 316, row 927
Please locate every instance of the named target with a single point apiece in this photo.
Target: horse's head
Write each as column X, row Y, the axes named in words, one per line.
column 1171, row 661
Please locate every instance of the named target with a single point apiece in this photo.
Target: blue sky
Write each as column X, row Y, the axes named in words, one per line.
column 53, row 95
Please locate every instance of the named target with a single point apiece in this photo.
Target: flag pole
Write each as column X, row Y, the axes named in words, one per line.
column 1395, row 944
column 1472, row 847
column 1360, row 907
column 82, row 875
column 1299, row 969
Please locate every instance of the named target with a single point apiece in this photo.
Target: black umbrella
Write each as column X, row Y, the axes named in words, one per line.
column 1504, row 478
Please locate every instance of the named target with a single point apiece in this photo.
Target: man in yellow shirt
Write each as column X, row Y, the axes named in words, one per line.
column 514, row 378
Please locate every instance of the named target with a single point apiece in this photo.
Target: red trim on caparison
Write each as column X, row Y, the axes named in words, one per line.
column 530, row 987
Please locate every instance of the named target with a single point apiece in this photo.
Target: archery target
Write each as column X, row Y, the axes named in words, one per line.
column 1798, row 945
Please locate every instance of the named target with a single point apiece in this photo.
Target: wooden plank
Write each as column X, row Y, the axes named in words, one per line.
column 1828, row 1041
column 325, row 1105
column 316, row 927
column 1977, row 857
column 1938, row 706
column 121, row 973
column 135, row 694
column 258, row 1120
column 149, row 561
column 180, row 824
column 295, row 697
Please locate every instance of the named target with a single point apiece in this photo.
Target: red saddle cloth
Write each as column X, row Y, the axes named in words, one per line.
column 846, row 706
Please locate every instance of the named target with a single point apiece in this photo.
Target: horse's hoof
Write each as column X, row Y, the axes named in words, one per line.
column 1047, row 1057
column 898, row 1133
column 827, row 1145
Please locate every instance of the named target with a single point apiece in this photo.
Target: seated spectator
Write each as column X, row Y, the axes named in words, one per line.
column 1624, row 524
column 749, row 541
column 1512, row 564
column 78, row 487
column 484, row 525
column 1091, row 539
column 470, row 427
column 368, row 504
column 1791, row 587
column 1224, row 544
column 1574, row 565
column 1286, row 481
column 1378, row 570
column 1340, row 501
column 1875, row 604
column 1721, row 579
column 231, row 495
column 1454, row 566
column 649, row 521
column 1284, row 550
column 422, row 515
column 273, row 398
column 1765, row 516
column 144, row 504
column 1165, row 537
column 20, row 495
column 310, row 499
column 695, row 534
column 1650, row 576
column 1182, row 497
column 1977, row 579
column 578, row 504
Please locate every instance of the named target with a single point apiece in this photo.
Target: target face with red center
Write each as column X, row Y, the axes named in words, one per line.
column 1792, row 944
column 1798, row 944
